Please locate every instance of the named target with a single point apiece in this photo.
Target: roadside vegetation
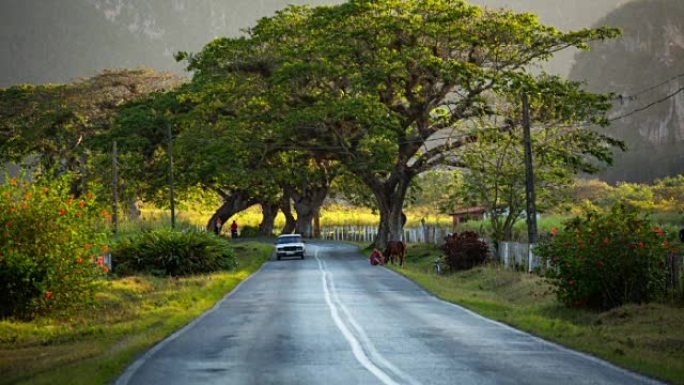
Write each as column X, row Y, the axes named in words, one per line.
column 93, row 345
column 647, row 338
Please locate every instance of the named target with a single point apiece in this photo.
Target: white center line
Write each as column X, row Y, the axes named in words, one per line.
column 356, row 346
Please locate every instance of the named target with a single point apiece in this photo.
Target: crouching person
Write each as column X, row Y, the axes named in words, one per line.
column 376, row 258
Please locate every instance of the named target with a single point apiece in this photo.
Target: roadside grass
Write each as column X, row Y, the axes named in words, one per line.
column 95, row 345
column 645, row 338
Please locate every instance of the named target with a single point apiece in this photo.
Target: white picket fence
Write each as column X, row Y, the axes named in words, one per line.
column 424, row 234
column 518, row 256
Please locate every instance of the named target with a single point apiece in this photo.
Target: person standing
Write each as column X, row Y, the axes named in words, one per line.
column 234, row 230
column 217, row 226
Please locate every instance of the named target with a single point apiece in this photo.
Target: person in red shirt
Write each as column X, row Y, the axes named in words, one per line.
column 234, row 230
column 376, row 258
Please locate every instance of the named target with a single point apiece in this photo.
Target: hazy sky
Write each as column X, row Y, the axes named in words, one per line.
column 59, row 40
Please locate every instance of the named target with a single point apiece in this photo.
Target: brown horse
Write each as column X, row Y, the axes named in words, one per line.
column 395, row 249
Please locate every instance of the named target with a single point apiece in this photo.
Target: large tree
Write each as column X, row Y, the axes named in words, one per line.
column 52, row 127
column 374, row 82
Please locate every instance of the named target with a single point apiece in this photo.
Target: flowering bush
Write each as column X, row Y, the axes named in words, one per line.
column 168, row 252
column 464, row 251
column 605, row 260
column 50, row 248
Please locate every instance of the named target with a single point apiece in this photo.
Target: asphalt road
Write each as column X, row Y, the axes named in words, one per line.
column 334, row 319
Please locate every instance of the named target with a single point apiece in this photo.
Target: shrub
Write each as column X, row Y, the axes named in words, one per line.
column 249, row 232
column 605, row 260
column 50, row 248
column 464, row 251
column 166, row 252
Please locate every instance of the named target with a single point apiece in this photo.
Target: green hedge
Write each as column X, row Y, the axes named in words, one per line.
column 167, row 252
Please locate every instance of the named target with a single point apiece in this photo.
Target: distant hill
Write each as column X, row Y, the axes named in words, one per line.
column 639, row 64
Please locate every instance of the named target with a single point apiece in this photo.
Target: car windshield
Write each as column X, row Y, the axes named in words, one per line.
column 290, row 239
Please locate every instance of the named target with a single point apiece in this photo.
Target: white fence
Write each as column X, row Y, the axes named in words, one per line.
column 423, row 234
column 518, row 255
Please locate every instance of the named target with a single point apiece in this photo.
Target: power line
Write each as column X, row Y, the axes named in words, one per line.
column 648, row 105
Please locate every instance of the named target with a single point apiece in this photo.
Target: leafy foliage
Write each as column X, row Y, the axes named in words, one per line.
column 166, row 252
column 606, row 260
column 464, row 251
column 51, row 248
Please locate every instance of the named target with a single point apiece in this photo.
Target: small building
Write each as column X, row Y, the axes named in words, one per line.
column 466, row 214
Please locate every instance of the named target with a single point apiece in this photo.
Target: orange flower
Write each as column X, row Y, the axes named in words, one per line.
column 9, row 224
column 45, row 190
column 105, row 248
column 79, row 260
column 25, row 205
column 29, row 195
column 89, row 195
column 79, row 214
column 105, row 213
column 81, row 204
column 106, row 269
column 13, row 181
column 100, row 260
column 554, row 230
column 62, row 211
column 70, row 201
column 88, row 246
column 7, row 195
column 48, row 294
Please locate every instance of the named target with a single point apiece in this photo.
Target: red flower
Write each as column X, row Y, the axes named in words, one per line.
column 48, row 294
column 606, row 241
column 62, row 211
column 9, row 224
column 572, row 282
column 554, row 230
column 100, row 260
column 659, row 231
column 88, row 246
column 642, row 245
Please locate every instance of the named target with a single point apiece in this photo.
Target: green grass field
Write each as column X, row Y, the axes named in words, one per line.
column 95, row 345
column 644, row 338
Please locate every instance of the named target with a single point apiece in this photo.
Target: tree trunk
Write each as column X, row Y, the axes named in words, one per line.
column 232, row 204
column 134, row 213
column 306, row 204
column 390, row 198
column 269, row 211
column 286, row 208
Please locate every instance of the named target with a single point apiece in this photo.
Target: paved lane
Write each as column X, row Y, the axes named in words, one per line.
column 334, row 319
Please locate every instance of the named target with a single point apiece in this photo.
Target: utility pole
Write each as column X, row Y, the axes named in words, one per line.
column 173, row 197
column 115, row 188
column 529, row 173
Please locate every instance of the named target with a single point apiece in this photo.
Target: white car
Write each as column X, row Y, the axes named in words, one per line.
column 290, row 245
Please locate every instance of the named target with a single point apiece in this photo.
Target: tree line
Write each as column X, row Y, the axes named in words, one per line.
column 373, row 93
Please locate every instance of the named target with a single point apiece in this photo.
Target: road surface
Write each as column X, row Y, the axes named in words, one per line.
column 334, row 319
